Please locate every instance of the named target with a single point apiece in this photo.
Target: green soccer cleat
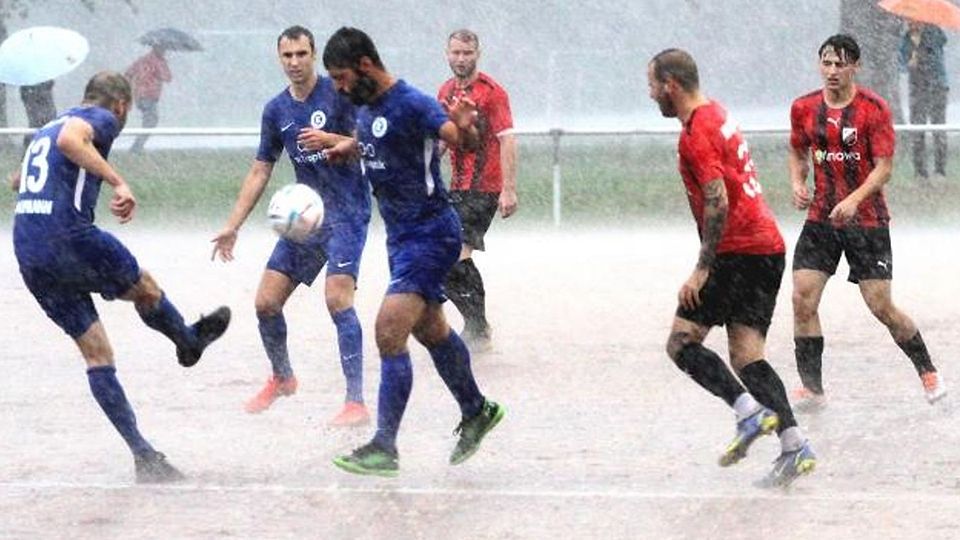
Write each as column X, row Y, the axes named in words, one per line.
column 473, row 430
column 751, row 428
column 370, row 459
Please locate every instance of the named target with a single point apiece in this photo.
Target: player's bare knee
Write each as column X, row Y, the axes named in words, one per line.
column 266, row 306
column 338, row 301
column 885, row 312
column 390, row 339
column 433, row 334
column 676, row 342
column 145, row 293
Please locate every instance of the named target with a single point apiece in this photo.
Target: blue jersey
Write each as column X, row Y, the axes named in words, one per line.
column 397, row 136
column 57, row 198
column 345, row 193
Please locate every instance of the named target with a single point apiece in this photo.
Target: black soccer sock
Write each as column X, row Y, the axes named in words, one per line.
column 709, row 371
column 809, row 354
column 476, row 314
column 765, row 385
column 916, row 350
column 455, row 286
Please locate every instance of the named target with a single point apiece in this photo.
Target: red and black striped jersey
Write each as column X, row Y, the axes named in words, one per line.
column 844, row 145
column 480, row 169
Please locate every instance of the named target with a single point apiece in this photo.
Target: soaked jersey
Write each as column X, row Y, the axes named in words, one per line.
column 345, row 193
column 480, row 169
column 397, row 137
column 57, row 198
column 711, row 147
column 844, row 145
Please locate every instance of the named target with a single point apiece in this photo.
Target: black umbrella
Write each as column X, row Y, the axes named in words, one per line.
column 171, row 39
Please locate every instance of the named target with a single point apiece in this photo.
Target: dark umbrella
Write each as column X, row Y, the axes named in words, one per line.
column 171, row 39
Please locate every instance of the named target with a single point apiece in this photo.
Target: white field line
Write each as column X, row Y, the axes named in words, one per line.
column 612, row 494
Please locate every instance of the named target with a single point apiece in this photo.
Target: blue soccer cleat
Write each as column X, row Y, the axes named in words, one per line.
column 751, row 428
column 790, row 466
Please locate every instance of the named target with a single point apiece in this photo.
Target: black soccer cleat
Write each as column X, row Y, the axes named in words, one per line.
column 152, row 468
column 208, row 329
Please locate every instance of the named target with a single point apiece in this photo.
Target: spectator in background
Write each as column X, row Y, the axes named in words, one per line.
column 38, row 101
column 921, row 54
column 147, row 74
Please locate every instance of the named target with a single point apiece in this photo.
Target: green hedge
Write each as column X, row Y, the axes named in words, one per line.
column 606, row 180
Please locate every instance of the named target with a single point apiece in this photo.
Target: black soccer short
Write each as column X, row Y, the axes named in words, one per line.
column 741, row 289
column 476, row 210
column 868, row 250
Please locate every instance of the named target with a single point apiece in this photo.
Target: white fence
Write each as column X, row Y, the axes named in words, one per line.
column 555, row 134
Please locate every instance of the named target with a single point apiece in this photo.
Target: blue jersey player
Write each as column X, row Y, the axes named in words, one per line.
column 64, row 257
column 398, row 128
column 309, row 112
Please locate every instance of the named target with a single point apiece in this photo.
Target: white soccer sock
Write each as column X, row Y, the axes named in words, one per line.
column 792, row 439
column 745, row 405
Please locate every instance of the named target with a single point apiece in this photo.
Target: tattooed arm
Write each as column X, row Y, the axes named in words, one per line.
column 715, row 206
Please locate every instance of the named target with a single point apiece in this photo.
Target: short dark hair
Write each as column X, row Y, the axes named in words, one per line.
column 347, row 46
column 106, row 88
column 679, row 65
column 464, row 35
column 845, row 46
column 295, row 32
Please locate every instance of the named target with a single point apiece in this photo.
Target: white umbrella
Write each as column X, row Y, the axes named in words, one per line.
column 38, row 54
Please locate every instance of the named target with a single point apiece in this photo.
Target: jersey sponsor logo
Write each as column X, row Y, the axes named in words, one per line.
column 34, row 206
column 822, row 155
column 379, row 127
column 849, row 136
column 318, row 119
column 367, row 154
column 374, row 164
column 313, row 157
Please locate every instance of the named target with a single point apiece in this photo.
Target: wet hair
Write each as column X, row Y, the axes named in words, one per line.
column 845, row 46
column 464, row 35
column 347, row 46
column 106, row 88
column 296, row 32
column 679, row 65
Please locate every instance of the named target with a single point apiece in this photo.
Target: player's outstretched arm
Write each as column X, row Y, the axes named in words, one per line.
column 76, row 142
column 317, row 139
column 343, row 151
column 251, row 190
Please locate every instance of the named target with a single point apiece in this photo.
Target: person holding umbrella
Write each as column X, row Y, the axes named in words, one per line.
column 147, row 75
column 921, row 55
column 38, row 102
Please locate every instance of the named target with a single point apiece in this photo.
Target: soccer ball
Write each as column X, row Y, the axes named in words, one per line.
column 295, row 211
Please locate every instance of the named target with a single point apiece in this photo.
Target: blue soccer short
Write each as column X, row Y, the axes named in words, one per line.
column 337, row 245
column 61, row 275
column 422, row 254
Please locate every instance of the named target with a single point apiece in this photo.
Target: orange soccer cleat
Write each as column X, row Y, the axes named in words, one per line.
column 274, row 389
column 353, row 414
column 933, row 386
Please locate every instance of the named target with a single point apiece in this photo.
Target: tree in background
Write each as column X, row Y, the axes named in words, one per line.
column 878, row 32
